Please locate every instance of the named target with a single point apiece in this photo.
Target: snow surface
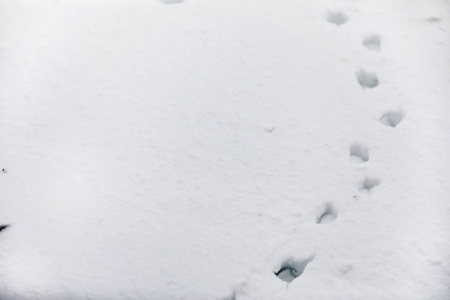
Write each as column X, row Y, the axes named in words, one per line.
column 195, row 149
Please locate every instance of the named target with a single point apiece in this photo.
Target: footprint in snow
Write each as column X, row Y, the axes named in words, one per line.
column 392, row 118
column 367, row 79
column 369, row 183
column 337, row 18
column 291, row 268
column 359, row 152
column 327, row 215
column 372, row 42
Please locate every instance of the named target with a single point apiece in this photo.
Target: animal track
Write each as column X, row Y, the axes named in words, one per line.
column 359, row 152
column 372, row 42
column 292, row 268
column 367, row 79
column 328, row 215
column 337, row 18
column 369, row 183
column 392, row 118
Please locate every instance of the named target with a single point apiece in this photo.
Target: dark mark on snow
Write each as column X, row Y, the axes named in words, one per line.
column 292, row 268
column 337, row 18
column 328, row 214
column 392, row 118
column 367, row 79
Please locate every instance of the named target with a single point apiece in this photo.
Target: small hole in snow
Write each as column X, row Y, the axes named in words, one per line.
column 337, row 18
column 292, row 268
column 328, row 215
column 372, row 42
column 369, row 183
column 359, row 152
column 392, row 118
column 367, row 79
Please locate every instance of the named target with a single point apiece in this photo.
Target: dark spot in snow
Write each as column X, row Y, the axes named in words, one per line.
column 3, row 227
column 292, row 268
column 367, row 79
column 337, row 18
column 360, row 152
column 369, row 183
column 372, row 42
column 392, row 118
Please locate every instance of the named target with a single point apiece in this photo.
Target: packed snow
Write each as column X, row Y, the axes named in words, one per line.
column 225, row 150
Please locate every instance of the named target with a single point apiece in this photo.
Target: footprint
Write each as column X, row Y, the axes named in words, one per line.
column 231, row 297
column 369, row 183
column 292, row 268
column 359, row 152
column 328, row 215
column 392, row 118
column 367, row 79
column 372, row 42
column 337, row 18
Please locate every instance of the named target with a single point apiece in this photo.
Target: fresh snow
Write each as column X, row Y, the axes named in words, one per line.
column 223, row 150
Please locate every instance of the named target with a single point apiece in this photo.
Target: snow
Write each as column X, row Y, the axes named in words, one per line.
column 225, row 149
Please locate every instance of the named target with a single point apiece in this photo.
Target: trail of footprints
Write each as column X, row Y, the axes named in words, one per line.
column 291, row 268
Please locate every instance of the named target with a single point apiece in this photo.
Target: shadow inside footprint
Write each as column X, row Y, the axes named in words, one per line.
column 391, row 118
column 292, row 268
column 372, row 42
column 3, row 227
column 328, row 215
column 337, row 18
column 369, row 183
column 359, row 152
column 367, row 79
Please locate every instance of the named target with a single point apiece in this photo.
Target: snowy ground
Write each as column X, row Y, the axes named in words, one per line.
column 205, row 149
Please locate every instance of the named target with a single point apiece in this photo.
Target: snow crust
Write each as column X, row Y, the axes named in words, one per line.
column 194, row 150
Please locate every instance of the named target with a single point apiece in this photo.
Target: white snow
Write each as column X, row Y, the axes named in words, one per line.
column 198, row 149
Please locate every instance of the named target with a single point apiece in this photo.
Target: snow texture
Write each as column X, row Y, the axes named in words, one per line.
column 224, row 149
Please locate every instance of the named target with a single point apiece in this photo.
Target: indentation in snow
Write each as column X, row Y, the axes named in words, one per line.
column 392, row 118
column 367, row 79
column 372, row 42
column 337, row 18
column 292, row 268
column 369, row 183
column 328, row 214
column 359, row 152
